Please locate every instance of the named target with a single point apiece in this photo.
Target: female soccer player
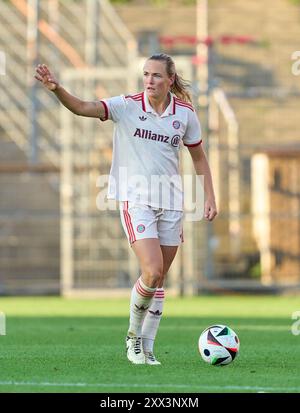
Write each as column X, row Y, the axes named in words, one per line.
column 144, row 178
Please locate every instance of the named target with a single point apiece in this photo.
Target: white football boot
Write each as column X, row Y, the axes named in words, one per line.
column 134, row 348
column 151, row 359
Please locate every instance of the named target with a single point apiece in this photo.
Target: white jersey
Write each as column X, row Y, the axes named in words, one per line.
column 145, row 165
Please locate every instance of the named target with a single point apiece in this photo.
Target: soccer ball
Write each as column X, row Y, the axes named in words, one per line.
column 218, row 345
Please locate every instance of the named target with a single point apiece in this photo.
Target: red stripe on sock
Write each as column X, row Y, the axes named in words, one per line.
column 142, row 291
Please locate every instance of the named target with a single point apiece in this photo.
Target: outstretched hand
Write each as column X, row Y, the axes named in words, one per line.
column 44, row 75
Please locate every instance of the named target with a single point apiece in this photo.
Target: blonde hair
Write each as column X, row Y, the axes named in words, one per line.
column 180, row 86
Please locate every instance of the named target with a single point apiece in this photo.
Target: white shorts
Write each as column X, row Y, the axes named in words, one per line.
column 143, row 221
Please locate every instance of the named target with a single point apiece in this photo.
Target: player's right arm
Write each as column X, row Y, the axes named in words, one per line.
column 75, row 105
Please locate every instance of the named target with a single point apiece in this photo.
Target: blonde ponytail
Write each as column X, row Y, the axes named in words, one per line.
column 180, row 88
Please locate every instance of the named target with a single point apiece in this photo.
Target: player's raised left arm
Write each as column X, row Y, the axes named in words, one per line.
column 202, row 168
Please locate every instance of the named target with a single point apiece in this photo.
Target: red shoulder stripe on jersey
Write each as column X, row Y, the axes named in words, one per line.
column 183, row 101
column 106, row 111
column 193, row 144
column 143, row 102
column 185, row 106
column 135, row 99
column 138, row 95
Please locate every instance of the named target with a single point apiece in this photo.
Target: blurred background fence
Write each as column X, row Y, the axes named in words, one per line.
column 53, row 239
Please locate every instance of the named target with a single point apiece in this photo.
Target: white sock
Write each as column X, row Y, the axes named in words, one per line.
column 141, row 296
column 152, row 320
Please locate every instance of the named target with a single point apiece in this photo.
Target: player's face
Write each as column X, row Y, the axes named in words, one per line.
column 157, row 83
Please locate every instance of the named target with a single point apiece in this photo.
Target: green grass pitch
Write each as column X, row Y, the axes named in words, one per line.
column 69, row 345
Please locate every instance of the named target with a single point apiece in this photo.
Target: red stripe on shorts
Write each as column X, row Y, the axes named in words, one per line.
column 129, row 225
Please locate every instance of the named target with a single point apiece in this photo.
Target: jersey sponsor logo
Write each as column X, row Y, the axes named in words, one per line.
column 140, row 228
column 175, row 140
column 143, row 118
column 148, row 134
column 176, row 124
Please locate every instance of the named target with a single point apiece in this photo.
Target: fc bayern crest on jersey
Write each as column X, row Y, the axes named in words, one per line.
column 140, row 228
column 176, row 124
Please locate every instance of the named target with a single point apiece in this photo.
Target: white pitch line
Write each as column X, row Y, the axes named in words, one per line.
column 120, row 385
